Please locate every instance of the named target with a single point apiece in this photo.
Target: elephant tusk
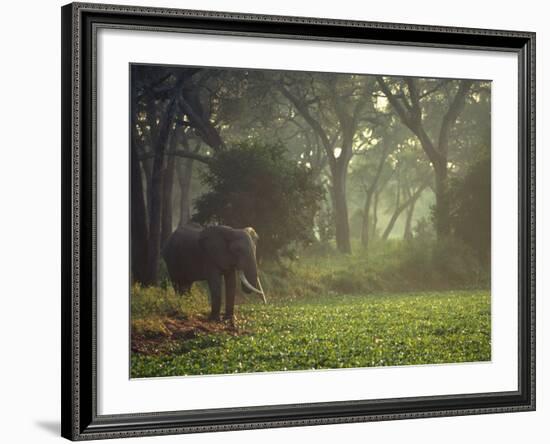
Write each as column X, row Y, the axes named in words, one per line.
column 262, row 290
column 247, row 284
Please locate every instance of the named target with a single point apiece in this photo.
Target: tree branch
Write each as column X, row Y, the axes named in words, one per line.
column 416, row 110
column 411, row 119
column 395, row 103
column 190, row 155
column 302, row 109
column 449, row 119
column 434, row 89
column 181, row 153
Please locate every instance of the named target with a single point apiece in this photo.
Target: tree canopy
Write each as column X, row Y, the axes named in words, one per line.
column 344, row 159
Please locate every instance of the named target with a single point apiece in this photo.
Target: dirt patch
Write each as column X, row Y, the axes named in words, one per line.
column 168, row 336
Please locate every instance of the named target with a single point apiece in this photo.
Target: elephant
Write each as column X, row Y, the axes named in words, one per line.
column 193, row 253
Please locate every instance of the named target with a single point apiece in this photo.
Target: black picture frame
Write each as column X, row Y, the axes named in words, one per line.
column 79, row 395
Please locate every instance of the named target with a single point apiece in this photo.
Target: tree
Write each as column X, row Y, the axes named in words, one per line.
column 470, row 207
column 410, row 201
column 336, row 108
column 185, row 176
column 255, row 184
column 139, row 231
column 411, row 99
column 373, row 165
column 164, row 99
column 411, row 179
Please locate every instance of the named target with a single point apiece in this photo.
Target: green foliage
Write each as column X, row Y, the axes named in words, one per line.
column 421, row 264
column 325, row 224
column 158, row 302
column 471, row 208
column 424, row 230
column 152, row 327
column 326, row 311
column 457, row 262
column 254, row 184
column 335, row 332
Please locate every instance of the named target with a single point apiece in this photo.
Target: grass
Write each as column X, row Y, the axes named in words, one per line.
column 403, row 303
column 170, row 335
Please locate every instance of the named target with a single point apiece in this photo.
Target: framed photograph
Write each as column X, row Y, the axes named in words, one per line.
column 280, row 221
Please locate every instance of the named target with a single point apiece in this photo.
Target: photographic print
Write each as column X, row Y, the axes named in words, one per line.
column 286, row 220
column 333, row 207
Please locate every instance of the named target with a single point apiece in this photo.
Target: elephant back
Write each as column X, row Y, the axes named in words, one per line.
column 181, row 244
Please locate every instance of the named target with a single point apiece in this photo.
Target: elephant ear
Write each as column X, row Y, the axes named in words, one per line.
column 215, row 241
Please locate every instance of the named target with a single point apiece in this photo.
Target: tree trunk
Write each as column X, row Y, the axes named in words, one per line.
column 138, row 221
column 365, row 232
column 411, row 200
column 147, row 166
column 365, row 229
column 396, row 212
column 374, row 214
column 185, row 174
column 408, row 234
column 167, row 186
column 155, row 211
column 442, row 223
column 138, row 212
column 340, row 206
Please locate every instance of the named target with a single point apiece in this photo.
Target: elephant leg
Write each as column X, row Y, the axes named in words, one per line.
column 186, row 287
column 230, row 287
column 215, row 286
column 182, row 287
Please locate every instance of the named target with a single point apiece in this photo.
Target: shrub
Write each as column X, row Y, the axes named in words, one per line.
column 159, row 302
column 459, row 263
column 255, row 184
column 416, row 265
column 470, row 198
